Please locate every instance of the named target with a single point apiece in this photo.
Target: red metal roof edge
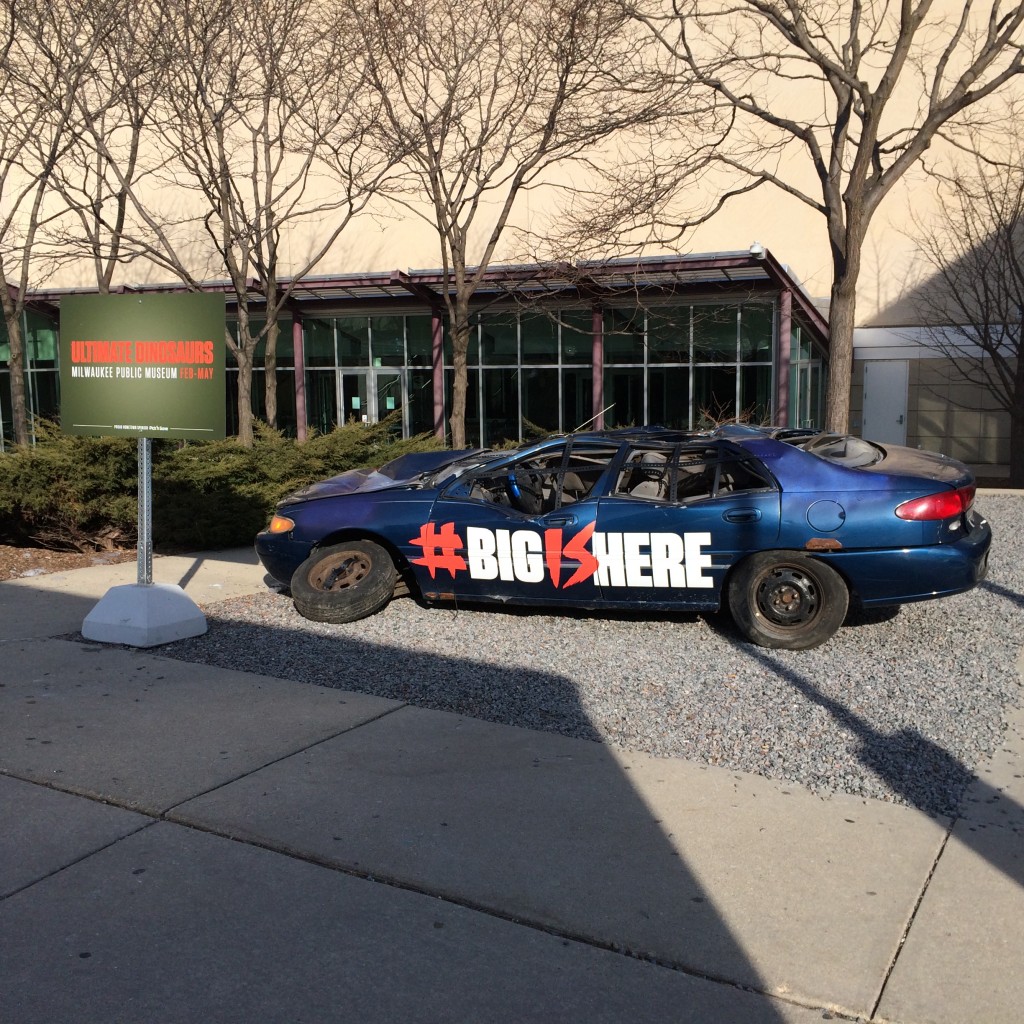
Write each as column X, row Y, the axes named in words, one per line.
column 419, row 282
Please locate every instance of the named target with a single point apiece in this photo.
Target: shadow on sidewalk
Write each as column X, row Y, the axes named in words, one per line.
column 908, row 761
column 528, row 827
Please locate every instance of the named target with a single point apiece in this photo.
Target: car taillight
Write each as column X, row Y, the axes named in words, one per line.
column 943, row 505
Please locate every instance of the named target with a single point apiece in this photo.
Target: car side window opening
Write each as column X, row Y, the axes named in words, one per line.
column 683, row 475
column 540, row 483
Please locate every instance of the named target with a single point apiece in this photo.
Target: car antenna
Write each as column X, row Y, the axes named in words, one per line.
column 576, row 430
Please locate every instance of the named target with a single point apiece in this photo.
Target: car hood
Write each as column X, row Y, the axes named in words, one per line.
column 405, row 471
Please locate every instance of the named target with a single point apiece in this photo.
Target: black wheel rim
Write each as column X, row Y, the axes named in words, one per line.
column 787, row 597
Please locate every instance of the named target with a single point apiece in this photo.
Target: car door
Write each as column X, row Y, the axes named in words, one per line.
column 675, row 519
column 518, row 530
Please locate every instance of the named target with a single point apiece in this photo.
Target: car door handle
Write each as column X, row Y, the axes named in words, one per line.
column 742, row 515
column 561, row 520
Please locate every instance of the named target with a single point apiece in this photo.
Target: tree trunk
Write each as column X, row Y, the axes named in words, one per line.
column 245, row 418
column 19, row 403
column 270, row 371
column 842, row 318
column 460, row 348
column 1017, row 432
column 842, row 313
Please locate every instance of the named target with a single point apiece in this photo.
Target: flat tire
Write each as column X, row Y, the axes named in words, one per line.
column 787, row 600
column 344, row 582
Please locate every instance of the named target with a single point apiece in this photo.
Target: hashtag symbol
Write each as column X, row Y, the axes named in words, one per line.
column 447, row 542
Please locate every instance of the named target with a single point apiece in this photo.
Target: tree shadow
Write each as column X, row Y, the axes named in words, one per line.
column 910, row 762
column 1000, row 591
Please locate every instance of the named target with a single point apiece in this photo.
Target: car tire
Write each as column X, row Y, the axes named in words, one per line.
column 787, row 600
column 344, row 582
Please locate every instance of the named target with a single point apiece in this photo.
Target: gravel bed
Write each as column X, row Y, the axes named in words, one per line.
column 900, row 708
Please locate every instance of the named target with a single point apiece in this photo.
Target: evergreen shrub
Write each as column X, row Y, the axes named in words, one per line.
column 81, row 493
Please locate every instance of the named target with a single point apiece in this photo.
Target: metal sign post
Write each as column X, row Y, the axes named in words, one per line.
column 144, row 551
column 144, row 366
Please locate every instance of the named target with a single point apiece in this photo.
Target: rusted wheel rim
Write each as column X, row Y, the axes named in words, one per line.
column 341, row 571
column 787, row 596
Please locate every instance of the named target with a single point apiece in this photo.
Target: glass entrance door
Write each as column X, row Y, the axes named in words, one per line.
column 368, row 396
column 354, row 407
column 388, row 389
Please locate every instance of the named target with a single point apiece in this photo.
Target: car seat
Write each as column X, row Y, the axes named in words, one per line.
column 651, row 474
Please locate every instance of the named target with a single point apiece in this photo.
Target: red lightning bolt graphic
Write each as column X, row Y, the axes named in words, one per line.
column 576, row 550
column 447, row 542
column 553, row 554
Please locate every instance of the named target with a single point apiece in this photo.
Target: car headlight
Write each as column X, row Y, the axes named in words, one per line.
column 281, row 524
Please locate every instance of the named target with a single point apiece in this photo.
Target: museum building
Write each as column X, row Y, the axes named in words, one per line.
column 682, row 341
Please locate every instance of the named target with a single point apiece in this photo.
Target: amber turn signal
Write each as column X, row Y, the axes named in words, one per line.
column 279, row 524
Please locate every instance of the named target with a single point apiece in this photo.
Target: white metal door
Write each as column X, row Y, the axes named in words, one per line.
column 885, row 400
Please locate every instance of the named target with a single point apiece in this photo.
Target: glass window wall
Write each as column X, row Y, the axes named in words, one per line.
column 421, row 402
column 806, row 382
column 353, row 340
column 499, row 339
column 387, row 340
column 576, row 329
column 682, row 365
column 318, row 339
column 420, row 340
column 539, row 335
column 624, row 397
column 540, row 401
column 668, row 335
column 623, row 336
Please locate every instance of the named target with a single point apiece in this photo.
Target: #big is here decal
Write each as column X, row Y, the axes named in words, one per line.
column 527, row 556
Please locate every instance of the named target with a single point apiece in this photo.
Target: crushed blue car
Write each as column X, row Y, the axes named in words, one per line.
column 786, row 528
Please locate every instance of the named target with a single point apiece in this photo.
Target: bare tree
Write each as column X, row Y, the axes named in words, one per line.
column 264, row 114
column 109, row 160
column 238, row 121
column 975, row 298
column 835, row 100
column 46, row 57
column 492, row 99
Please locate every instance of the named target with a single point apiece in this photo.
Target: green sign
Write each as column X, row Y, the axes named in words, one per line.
column 142, row 365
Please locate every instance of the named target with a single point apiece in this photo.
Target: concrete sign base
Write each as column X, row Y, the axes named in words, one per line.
column 144, row 615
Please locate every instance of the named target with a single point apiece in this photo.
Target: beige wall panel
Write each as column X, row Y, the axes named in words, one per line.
column 965, row 449
column 995, row 443
column 929, row 400
column 933, row 423
column 965, row 396
column 935, row 373
column 965, row 423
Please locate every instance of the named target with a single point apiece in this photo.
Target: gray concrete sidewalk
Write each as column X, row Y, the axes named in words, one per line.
column 187, row 843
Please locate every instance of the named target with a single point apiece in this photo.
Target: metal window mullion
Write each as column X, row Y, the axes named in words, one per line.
column 339, row 389
column 692, row 374
column 645, row 411
column 737, row 364
column 519, row 375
